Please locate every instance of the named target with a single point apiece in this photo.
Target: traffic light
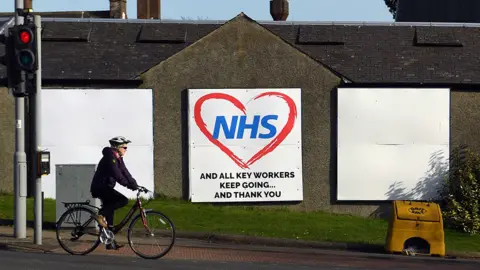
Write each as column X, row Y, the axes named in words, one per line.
column 13, row 75
column 24, row 48
column 5, row 58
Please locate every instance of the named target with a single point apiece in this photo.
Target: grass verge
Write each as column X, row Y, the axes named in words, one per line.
column 317, row 226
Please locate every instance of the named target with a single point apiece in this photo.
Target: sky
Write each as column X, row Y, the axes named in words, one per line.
column 300, row 10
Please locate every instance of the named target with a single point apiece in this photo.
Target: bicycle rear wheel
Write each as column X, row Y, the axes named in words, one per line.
column 79, row 227
column 143, row 235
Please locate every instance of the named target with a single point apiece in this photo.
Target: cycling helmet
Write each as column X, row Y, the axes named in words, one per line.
column 119, row 140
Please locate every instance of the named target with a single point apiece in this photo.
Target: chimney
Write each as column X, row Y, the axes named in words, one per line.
column 27, row 4
column 148, row 9
column 279, row 10
column 118, row 9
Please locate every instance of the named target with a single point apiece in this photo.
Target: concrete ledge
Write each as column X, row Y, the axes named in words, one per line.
column 27, row 247
column 280, row 242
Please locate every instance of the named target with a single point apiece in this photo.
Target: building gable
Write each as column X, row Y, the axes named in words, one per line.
column 247, row 37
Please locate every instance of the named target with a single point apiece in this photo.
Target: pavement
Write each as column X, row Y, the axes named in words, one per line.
column 206, row 254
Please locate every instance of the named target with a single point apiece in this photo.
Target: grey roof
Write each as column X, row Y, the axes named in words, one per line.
column 111, row 49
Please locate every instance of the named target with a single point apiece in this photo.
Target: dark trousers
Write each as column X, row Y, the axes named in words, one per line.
column 111, row 200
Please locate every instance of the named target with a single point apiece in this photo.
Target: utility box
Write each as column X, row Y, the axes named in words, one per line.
column 416, row 222
column 73, row 185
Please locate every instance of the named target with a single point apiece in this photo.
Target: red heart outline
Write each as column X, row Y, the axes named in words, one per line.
column 265, row 150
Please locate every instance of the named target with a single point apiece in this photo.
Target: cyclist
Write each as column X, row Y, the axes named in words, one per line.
column 111, row 170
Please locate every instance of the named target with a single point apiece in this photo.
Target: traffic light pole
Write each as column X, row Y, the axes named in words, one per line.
column 20, row 157
column 35, row 139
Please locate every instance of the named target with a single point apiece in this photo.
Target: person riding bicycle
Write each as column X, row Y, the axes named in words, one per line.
column 111, row 170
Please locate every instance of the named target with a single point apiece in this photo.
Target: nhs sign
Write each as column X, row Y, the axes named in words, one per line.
column 245, row 145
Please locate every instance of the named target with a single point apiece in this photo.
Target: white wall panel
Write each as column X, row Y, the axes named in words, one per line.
column 77, row 123
column 393, row 143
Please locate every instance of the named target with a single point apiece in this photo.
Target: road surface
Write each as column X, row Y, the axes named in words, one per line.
column 14, row 260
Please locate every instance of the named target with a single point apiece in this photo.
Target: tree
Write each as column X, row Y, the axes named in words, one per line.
column 460, row 193
column 392, row 7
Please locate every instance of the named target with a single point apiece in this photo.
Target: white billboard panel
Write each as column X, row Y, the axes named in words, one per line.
column 393, row 143
column 77, row 123
column 245, row 145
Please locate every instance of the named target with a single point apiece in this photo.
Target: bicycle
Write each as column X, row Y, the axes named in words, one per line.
column 105, row 236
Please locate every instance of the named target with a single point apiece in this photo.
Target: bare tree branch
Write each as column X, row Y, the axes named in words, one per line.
column 392, row 7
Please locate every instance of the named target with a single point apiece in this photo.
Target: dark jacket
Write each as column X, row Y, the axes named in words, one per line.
column 111, row 170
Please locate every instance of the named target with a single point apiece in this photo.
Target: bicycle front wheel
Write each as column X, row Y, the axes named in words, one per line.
column 77, row 231
column 148, row 233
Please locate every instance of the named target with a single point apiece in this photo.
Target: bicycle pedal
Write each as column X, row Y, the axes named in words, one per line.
column 106, row 236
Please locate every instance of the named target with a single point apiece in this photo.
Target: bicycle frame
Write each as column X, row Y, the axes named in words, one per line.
column 137, row 206
column 117, row 228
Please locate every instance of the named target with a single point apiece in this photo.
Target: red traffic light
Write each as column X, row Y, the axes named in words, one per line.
column 25, row 37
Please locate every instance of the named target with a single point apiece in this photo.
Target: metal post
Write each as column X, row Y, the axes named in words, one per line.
column 43, row 205
column 20, row 157
column 35, row 111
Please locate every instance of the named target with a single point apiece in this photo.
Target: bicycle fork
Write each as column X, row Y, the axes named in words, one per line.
column 144, row 219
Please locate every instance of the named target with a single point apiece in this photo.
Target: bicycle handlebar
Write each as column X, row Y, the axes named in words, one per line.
column 142, row 189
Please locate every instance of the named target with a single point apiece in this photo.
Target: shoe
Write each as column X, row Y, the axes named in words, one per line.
column 114, row 245
column 101, row 221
